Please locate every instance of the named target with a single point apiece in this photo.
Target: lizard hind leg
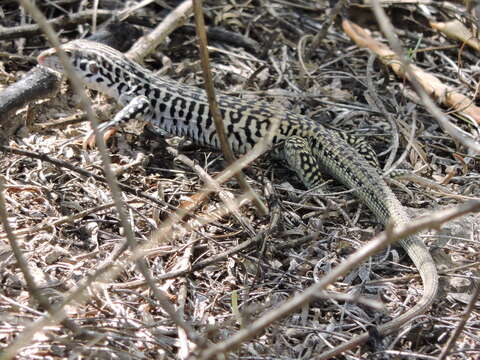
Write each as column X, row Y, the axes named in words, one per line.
column 362, row 147
column 298, row 155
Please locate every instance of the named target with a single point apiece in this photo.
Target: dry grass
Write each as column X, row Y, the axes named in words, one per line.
column 307, row 233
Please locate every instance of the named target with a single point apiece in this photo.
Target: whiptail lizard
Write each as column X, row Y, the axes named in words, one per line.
column 308, row 148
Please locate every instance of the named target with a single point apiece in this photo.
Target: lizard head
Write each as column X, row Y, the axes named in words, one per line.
column 99, row 66
column 78, row 51
column 50, row 59
column 93, row 62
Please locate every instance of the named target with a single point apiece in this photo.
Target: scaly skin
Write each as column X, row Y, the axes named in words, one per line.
column 307, row 147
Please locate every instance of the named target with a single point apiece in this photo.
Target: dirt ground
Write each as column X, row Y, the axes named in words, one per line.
column 222, row 271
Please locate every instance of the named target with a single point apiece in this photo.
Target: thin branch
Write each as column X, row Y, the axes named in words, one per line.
column 197, row 266
column 59, row 22
column 32, row 287
column 66, row 219
column 379, row 242
column 461, row 324
column 83, row 172
column 224, row 195
column 213, row 105
column 109, row 174
column 146, row 44
column 401, row 66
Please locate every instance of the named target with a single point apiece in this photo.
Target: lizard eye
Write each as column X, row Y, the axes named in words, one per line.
column 92, row 67
column 88, row 66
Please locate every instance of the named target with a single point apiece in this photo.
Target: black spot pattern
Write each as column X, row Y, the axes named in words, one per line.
column 172, row 105
column 191, row 111
column 307, row 147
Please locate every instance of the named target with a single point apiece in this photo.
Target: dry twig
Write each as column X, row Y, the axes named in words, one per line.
column 213, row 105
column 379, row 242
column 429, row 84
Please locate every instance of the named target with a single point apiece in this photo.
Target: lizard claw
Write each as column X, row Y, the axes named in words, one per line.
column 89, row 141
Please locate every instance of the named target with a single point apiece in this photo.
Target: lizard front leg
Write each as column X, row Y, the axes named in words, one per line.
column 137, row 108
